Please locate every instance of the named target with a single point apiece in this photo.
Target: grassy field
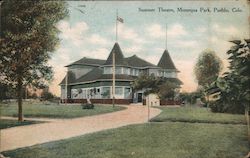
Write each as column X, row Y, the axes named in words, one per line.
column 55, row 110
column 13, row 123
column 196, row 114
column 220, row 136
column 151, row 140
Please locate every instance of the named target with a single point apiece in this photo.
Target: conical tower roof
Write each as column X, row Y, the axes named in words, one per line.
column 166, row 61
column 119, row 58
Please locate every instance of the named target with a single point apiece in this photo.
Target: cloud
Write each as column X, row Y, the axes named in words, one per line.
column 154, row 59
column 98, row 40
column 177, row 30
column 61, row 57
column 99, row 53
column 128, row 34
column 225, row 30
column 78, row 34
column 220, row 45
column 74, row 33
column 157, row 31
column 189, row 43
column 201, row 29
column 134, row 49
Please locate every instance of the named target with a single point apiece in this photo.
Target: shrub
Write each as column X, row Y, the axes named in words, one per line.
column 88, row 106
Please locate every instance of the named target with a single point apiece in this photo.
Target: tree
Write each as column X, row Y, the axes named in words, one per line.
column 158, row 85
column 28, row 38
column 46, row 95
column 6, row 92
column 190, row 98
column 207, row 70
column 233, row 87
column 167, row 90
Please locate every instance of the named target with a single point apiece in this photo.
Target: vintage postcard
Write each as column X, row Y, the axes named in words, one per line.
column 124, row 79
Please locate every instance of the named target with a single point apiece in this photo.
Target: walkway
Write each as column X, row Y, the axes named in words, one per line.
column 23, row 136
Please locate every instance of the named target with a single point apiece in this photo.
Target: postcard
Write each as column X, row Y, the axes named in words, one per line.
column 121, row 79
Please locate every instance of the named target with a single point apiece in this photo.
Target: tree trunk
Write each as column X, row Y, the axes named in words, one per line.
column 20, row 101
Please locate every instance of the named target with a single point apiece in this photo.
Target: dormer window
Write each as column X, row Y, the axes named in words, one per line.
column 107, row 70
column 118, row 70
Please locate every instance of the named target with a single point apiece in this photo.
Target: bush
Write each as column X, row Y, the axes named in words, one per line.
column 88, row 106
column 47, row 96
column 215, row 107
column 232, row 108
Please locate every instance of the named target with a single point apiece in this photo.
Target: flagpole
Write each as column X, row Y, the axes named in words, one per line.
column 113, row 61
column 116, row 28
column 66, row 88
column 166, row 36
column 113, row 90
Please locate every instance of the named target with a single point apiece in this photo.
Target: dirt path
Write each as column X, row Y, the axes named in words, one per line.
column 24, row 136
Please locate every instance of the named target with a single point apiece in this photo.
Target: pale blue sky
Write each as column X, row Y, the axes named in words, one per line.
column 92, row 34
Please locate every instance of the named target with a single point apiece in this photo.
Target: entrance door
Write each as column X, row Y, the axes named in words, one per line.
column 139, row 97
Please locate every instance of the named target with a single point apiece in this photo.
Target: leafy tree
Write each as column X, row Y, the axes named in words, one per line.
column 148, row 83
column 28, row 38
column 190, row 98
column 167, row 90
column 6, row 92
column 207, row 70
column 233, row 87
column 46, row 95
column 158, row 85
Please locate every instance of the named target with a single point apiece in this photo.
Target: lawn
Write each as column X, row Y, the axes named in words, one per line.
column 54, row 110
column 13, row 123
column 177, row 132
column 196, row 114
column 151, row 140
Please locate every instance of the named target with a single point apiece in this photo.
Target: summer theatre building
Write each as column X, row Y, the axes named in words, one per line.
column 92, row 78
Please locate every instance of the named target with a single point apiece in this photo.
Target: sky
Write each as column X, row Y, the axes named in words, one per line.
column 91, row 32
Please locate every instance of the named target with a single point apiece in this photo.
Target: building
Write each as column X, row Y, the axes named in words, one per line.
column 92, row 78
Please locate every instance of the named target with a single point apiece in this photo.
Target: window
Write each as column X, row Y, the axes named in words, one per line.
column 84, row 94
column 118, row 91
column 107, row 70
column 136, row 72
column 126, row 71
column 118, row 70
column 173, row 75
column 131, row 71
column 127, row 92
column 74, row 93
column 106, row 92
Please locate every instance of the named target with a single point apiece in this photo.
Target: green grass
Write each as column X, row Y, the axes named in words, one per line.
column 55, row 110
column 13, row 123
column 196, row 114
column 152, row 140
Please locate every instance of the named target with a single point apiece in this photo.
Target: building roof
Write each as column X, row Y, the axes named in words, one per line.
column 119, row 58
column 166, row 61
column 175, row 80
column 97, row 74
column 135, row 61
column 70, row 78
column 88, row 61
